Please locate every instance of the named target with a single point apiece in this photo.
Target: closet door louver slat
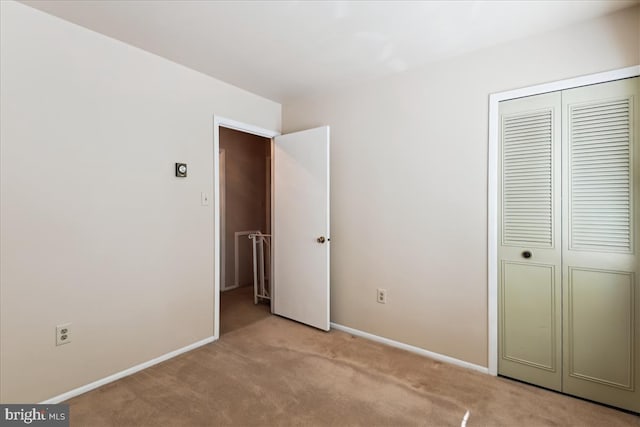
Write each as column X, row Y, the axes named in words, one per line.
column 527, row 179
column 600, row 179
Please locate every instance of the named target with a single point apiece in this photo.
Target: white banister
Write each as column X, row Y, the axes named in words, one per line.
column 261, row 266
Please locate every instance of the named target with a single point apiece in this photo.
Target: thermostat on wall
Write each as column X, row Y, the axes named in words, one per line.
column 181, row 170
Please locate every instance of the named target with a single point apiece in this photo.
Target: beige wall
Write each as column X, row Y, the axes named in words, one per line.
column 246, row 197
column 96, row 229
column 409, row 182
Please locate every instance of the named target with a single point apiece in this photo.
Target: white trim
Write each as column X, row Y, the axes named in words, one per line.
column 267, row 191
column 411, row 348
column 130, row 371
column 223, row 220
column 236, row 255
column 492, row 226
column 243, row 127
column 272, row 287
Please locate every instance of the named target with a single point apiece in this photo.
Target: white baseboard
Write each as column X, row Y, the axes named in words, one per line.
column 411, row 348
column 118, row 375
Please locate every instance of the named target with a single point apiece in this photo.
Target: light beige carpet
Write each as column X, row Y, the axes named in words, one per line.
column 276, row 372
column 237, row 309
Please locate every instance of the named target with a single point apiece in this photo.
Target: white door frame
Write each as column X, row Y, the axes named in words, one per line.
column 242, row 127
column 223, row 218
column 494, row 127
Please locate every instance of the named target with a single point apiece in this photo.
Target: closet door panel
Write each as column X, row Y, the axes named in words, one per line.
column 529, row 249
column 600, row 326
column 600, row 179
column 529, row 315
column 601, row 323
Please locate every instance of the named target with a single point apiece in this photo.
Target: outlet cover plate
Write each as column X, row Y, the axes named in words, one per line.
column 63, row 334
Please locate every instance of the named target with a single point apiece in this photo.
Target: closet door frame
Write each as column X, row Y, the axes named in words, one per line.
column 494, row 130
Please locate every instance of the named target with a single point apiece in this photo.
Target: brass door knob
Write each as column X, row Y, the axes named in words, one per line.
column 321, row 239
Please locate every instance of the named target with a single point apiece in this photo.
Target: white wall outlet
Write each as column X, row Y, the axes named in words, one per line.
column 63, row 334
column 204, row 199
column 382, row 296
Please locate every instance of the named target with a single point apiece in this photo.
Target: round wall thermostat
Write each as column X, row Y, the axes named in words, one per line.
column 181, row 170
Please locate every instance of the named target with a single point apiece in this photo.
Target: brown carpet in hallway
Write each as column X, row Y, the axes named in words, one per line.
column 277, row 372
column 237, row 309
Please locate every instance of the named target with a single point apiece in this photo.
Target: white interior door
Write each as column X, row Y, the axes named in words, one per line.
column 301, row 227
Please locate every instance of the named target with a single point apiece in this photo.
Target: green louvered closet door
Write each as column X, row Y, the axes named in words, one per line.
column 530, row 250
column 569, row 315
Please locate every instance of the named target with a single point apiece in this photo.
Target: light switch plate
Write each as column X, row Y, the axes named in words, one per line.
column 204, row 198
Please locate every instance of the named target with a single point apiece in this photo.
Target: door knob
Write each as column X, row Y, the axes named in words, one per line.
column 526, row 254
column 320, row 239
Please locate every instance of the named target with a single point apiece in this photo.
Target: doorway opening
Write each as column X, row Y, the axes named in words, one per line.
column 245, row 210
column 298, row 216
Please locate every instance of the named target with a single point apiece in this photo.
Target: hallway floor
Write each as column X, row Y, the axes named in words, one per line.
column 237, row 309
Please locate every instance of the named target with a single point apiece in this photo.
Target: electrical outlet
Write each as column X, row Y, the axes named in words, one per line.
column 63, row 334
column 382, row 296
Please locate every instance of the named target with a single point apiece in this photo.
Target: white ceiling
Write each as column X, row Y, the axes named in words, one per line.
column 286, row 49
